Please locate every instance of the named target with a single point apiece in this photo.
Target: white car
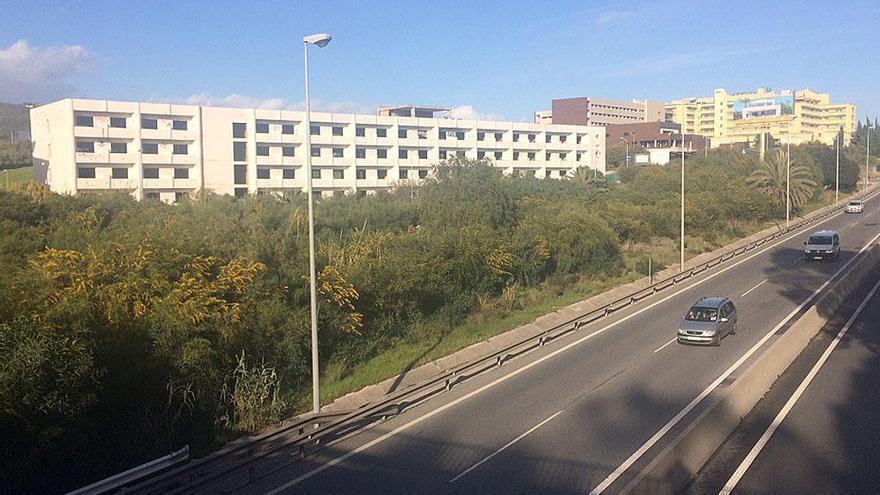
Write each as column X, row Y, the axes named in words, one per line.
column 855, row 206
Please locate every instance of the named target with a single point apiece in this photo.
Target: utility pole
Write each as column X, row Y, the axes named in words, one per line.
column 681, row 256
column 837, row 172
column 868, row 129
column 788, row 181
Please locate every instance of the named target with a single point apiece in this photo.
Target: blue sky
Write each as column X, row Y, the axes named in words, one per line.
column 492, row 59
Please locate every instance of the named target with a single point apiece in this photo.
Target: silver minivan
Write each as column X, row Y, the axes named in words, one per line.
column 822, row 245
column 708, row 321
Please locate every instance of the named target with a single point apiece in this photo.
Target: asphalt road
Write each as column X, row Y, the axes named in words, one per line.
column 827, row 439
column 576, row 414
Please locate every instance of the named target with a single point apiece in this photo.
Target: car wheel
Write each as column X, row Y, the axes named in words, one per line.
column 717, row 341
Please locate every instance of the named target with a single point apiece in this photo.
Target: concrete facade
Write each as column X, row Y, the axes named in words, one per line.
column 600, row 111
column 814, row 117
column 163, row 151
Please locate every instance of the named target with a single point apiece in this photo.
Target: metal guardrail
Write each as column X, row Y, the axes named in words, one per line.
column 309, row 432
column 117, row 482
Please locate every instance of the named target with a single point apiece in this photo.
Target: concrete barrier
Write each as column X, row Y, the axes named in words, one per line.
column 672, row 470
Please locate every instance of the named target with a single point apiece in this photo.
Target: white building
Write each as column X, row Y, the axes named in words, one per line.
column 163, row 151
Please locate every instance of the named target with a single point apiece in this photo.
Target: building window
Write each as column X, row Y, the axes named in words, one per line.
column 548, row 138
column 179, row 196
column 562, row 156
column 401, row 174
column 423, row 133
column 481, row 136
column 516, row 155
column 337, row 152
column 402, row 153
column 179, row 125
column 337, row 131
column 498, row 136
column 531, row 156
column 149, row 123
column 316, row 173
column 381, row 153
column 240, row 192
column 459, row 135
column 531, row 138
column 181, row 173
column 288, row 151
column 263, row 173
column 381, row 132
column 442, row 154
column 562, row 139
column 547, row 156
column 578, row 157
column 85, row 172
column 288, row 173
column 515, row 137
column 262, row 150
column 547, row 173
column 239, row 129
column 423, row 173
column 316, row 151
column 262, row 128
column 338, row 194
column 497, row 155
column 85, row 146
column 239, row 174
column 362, row 194
column 401, row 133
column 181, row 149
column 381, row 173
column 85, row 121
column 562, row 173
column 360, row 173
column 338, row 173
column 151, row 173
column 481, row 154
column 315, row 130
column 359, row 131
column 442, row 134
column 151, row 148
column 239, row 151
column 117, row 147
column 286, row 128
column 117, row 122
column 151, row 195
column 459, row 153
column 423, row 154
column 360, row 152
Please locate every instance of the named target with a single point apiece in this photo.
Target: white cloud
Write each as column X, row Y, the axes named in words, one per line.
column 467, row 112
column 612, row 15
column 675, row 61
column 242, row 101
column 39, row 74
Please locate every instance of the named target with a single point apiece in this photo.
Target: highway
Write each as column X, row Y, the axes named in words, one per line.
column 818, row 428
column 588, row 411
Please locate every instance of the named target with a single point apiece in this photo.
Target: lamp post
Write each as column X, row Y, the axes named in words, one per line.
column 626, row 160
column 681, row 256
column 837, row 172
column 868, row 129
column 788, row 181
column 320, row 40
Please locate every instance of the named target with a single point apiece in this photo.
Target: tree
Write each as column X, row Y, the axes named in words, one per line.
column 770, row 178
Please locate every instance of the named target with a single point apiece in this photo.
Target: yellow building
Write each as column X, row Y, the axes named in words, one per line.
column 797, row 116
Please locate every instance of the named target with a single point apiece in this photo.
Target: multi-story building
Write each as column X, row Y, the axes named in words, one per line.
column 796, row 116
column 600, row 111
column 661, row 140
column 164, row 151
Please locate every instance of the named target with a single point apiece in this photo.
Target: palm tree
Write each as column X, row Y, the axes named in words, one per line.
column 769, row 178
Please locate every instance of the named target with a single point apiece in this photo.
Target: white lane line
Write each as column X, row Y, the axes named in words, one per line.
column 508, row 444
column 526, row 367
column 666, row 344
column 712, row 386
column 853, row 224
column 762, row 282
column 762, row 442
column 796, row 259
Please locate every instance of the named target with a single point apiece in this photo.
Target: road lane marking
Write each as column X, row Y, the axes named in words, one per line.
column 765, row 438
column 796, row 259
column 666, row 344
column 853, row 224
column 712, row 386
column 508, row 444
column 526, row 367
column 762, row 282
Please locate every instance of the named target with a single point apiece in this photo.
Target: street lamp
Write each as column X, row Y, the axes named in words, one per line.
column 787, row 180
column 868, row 129
column 320, row 40
column 837, row 172
column 681, row 257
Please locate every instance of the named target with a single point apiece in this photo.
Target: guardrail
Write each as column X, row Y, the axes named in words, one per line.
column 117, row 482
column 310, row 432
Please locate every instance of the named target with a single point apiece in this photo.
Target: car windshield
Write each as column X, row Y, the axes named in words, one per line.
column 855, row 203
column 820, row 239
column 702, row 314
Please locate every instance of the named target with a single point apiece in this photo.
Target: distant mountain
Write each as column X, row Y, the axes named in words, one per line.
column 14, row 118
